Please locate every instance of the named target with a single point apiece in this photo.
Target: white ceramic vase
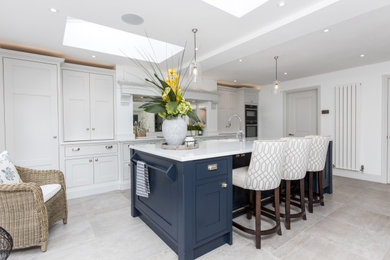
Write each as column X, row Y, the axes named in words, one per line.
column 174, row 130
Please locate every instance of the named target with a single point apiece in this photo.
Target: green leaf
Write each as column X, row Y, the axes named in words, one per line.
column 154, row 108
column 172, row 95
column 154, row 83
column 172, row 106
column 162, row 82
column 193, row 116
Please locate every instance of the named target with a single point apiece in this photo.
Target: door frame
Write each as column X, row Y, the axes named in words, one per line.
column 385, row 117
column 297, row 90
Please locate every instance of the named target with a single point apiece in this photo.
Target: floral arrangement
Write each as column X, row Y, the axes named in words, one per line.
column 172, row 103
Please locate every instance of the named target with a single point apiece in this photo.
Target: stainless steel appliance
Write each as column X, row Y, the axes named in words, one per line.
column 250, row 121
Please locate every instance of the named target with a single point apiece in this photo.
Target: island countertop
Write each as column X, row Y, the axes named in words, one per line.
column 207, row 149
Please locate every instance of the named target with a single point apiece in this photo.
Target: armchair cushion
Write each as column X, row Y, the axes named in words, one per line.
column 8, row 172
column 49, row 190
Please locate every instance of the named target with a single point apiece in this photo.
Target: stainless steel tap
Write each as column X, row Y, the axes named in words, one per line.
column 240, row 134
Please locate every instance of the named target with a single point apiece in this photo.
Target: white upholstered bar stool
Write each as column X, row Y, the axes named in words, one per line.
column 316, row 165
column 294, row 169
column 264, row 173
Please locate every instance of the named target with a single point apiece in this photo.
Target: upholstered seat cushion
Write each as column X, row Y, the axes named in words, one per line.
column 239, row 176
column 49, row 191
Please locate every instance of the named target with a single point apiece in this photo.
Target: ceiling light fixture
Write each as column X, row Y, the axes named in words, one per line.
column 362, row 55
column 194, row 69
column 285, row 73
column 112, row 41
column 94, row 56
column 234, row 7
column 235, row 81
column 326, row 30
column 240, row 60
column 132, row 19
column 276, row 86
column 53, row 10
column 282, row 4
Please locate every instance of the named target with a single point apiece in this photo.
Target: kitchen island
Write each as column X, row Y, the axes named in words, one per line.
column 191, row 195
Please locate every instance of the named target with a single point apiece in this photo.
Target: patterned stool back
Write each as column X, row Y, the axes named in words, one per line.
column 266, row 165
column 317, row 154
column 6, row 244
column 296, row 158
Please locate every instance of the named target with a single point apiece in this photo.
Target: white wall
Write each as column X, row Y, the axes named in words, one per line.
column 371, row 76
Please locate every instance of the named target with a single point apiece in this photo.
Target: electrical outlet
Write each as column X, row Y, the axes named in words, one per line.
column 362, row 168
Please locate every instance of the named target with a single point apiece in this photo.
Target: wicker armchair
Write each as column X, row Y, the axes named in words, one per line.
column 22, row 210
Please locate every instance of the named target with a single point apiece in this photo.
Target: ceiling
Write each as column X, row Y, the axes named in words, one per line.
column 293, row 32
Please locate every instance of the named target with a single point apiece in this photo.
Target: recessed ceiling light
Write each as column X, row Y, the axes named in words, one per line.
column 326, row 30
column 362, row 55
column 235, row 81
column 281, row 4
column 94, row 56
column 132, row 19
column 236, row 8
column 53, row 10
column 240, row 60
column 116, row 42
column 285, row 73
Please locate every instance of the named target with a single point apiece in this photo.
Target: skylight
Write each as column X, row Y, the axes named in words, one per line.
column 236, row 7
column 99, row 38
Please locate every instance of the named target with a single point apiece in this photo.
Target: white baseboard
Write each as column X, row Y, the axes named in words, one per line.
column 359, row 175
column 125, row 185
column 78, row 192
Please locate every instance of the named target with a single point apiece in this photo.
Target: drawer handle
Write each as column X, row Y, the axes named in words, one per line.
column 76, row 149
column 224, row 185
column 212, row 167
column 108, row 147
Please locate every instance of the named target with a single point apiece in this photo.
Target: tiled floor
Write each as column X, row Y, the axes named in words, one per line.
column 354, row 224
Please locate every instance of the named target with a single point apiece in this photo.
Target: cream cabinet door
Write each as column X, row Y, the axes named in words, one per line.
column 79, row 172
column 106, row 169
column 31, row 113
column 102, row 106
column 76, row 105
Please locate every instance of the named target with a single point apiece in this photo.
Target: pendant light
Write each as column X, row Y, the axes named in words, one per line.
column 195, row 68
column 276, row 86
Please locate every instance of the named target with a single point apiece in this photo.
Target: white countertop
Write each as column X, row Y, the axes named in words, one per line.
column 207, row 149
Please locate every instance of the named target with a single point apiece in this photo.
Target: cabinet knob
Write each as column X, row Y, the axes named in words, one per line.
column 90, row 160
column 76, row 149
column 224, row 185
column 87, row 129
column 93, row 129
column 96, row 159
column 129, row 164
column 54, row 137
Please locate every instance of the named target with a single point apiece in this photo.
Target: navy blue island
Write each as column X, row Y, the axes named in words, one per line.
column 191, row 194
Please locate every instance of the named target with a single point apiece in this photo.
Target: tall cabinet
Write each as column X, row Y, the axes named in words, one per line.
column 30, row 109
column 88, row 100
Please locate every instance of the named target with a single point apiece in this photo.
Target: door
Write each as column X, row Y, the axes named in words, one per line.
column 106, row 169
column 31, row 115
column 76, row 105
column 102, row 106
column 301, row 113
column 211, row 209
column 79, row 172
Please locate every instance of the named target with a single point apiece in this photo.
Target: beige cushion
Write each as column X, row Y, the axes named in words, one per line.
column 49, row 191
column 239, row 177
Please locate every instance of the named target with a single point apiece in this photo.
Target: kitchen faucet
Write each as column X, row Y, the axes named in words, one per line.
column 240, row 134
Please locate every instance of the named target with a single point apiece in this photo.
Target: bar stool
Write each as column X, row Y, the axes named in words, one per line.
column 316, row 164
column 294, row 169
column 264, row 173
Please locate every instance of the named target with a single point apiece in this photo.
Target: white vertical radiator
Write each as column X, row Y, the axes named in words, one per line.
column 347, row 126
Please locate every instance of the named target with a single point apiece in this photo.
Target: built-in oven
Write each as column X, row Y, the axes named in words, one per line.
column 250, row 121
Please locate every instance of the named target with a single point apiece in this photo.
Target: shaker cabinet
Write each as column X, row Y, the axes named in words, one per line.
column 79, row 172
column 88, row 105
column 30, row 112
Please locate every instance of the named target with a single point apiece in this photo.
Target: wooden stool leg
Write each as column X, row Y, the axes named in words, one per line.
column 250, row 212
column 310, row 192
column 320, row 188
column 258, row 219
column 277, row 210
column 302, row 196
column 287, row 204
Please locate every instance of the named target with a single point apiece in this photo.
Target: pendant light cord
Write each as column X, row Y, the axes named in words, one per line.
column 195, row 47
column 276, row 70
